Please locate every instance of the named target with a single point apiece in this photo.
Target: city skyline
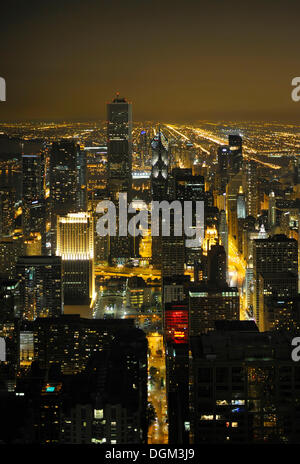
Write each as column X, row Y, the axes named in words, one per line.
column 149, row 224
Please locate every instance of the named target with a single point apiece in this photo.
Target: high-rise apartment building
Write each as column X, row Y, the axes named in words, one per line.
column 41, row 286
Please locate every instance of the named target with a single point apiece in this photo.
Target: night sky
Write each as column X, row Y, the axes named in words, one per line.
column 175, row 60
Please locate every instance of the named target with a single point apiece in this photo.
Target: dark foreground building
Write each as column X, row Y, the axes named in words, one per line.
column 105, row 403
column 245, row 388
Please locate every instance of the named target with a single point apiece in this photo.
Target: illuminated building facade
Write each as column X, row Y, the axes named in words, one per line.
column 176, row 320
column 75, row 245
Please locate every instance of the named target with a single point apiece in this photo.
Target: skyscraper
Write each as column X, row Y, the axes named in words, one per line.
column 75, row 245
column 252, row 194
column 10, row 249
column 32, row 177
column 144, row 147
column 176, row 336
column 159, row 187
column 273, row 288
column 277, row 254
column 41, row 286
column 172, row 252
column 119, row 149
column 159, row 173
column 64, row 182
column 223, row 169
column 217, row 264
column 7, row 211
column 235, row 143
column 223, row 231
column 241, row 204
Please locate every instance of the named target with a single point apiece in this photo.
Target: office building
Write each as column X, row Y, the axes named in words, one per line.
column 75, row 245
column 64, row 158
column 208, row 303
column 223, row 168
column 119, row 148
column 160, row 163
column 241, row 204
column 271, row 288
column 235, row 143
column 33, row 172
column 277, row 254
column 217, row 264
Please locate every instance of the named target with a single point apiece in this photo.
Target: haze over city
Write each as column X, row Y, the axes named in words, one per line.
column 177, row 62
